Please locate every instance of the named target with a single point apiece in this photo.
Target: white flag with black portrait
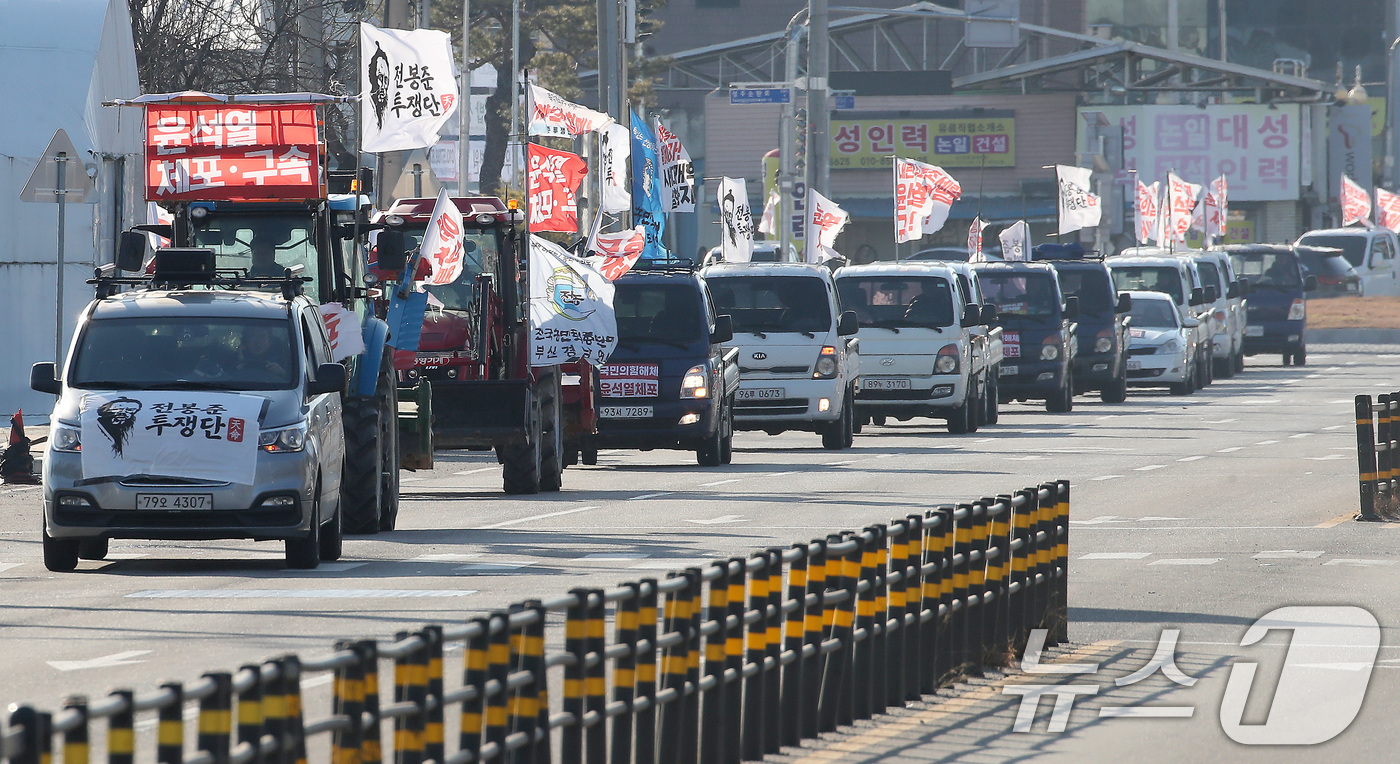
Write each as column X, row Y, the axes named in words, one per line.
column 614, row 156
column 1079, row 207
column 408, row 87
column 1016, row 242
column 736, row 220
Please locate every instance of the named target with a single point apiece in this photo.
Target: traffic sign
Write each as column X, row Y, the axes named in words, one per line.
column 43, row 184
column 843, row 102
column 747, row 96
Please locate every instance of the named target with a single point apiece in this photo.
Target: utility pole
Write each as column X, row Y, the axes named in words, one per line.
column 818, row 110
column 514, row 145
column 607, row 52
column 464, row 104
column 787, row 144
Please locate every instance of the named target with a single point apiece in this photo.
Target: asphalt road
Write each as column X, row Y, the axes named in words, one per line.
column 1197, row 513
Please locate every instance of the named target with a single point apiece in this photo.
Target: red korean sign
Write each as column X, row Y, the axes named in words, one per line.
column 630, row 380
column 554, row 178
column 227, row 152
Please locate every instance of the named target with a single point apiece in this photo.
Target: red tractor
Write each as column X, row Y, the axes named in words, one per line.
column 474, row 352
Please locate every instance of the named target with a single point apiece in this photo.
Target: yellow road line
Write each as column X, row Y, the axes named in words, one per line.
column 860, row 743
column 1338, row 520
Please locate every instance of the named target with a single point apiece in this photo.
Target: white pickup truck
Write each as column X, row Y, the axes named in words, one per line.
column 987, row 346
column 919, row 341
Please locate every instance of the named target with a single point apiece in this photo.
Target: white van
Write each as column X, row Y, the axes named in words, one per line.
column 1227, row 313
column 917, row 339
column 798, row 356
column 1371, row 251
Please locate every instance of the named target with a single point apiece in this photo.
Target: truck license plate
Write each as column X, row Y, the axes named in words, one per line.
column 1134, row 365
column 1254, row 331
column 761, row 394
column 626, row 412
column 174, row 501
column 1009, row 371
column 886, row 384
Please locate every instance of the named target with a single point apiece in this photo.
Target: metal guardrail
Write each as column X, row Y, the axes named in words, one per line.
column 1378, row 453
column 720, row 663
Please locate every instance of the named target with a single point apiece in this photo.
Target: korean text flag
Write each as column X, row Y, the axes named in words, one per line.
column 571, row 308
column 1387, row 209
column 408, row 87
column 1181, row 203
column 648, row 210
column 553, row 181
column 1217, row 208
column 175, row 434
column 974, row 241
column 614, row 254
column 614, row 154
column 1079, row 208
column 1016, row 241
column 1145, row 215
column 735, row 220
column 1356, row 203
column 826, row 220
column 553, row 116
column 677, row 171
column 442, row 242
column 923, row 195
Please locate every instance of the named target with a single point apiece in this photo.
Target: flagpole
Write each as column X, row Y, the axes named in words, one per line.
column 894, row 165
column 1055, row 169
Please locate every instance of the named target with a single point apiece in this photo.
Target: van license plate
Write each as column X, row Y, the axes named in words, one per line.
column 174, row 501
column 1009, row 371
column 761, row 394
column 626, row 412
column 1134, row 365
column 886, row 384
column 1254, row 331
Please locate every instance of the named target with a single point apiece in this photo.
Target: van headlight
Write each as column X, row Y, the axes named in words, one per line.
column 826, row 366
column 1049, row 352
column 1170, row 346
column 1297, row 310
column 66, row 439
column 1103, row 344
column 284, row 439
column 694, row 384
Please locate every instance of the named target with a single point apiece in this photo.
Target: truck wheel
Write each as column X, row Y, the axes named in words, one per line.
column 551, row 434
column 1063, row 400
column 1180, row 388
column 959, row 421
column 849, row 414
column 333, row 538
column 1224, row 367
column 92, row 549
column 1117, row 390
column 993, row 402
column 387, row 393
column 1239, row 362
column 974, row 409
column 878, row 420
column 588, row 455
column 711, row 450
column 726, row 454
column 305, row 553
column 1300, row 357
column 60, row 555
column 361, row 485
column 834, row 434
column 521, row 462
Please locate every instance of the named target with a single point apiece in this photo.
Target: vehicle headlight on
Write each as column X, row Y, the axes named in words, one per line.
column 1049, row 352
column 283, row 439
column 695, row 384
column 1297, row 310
column 1103, row 344
column 1170, row 346
column 66, row 439
column 826, row 365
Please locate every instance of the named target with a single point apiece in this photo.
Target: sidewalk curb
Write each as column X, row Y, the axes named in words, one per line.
column 1354, row 336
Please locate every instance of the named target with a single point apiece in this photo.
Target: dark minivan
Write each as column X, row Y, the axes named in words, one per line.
column 1038, row 333
column 1278, row 314
column 669, row 383
column 1102, row 362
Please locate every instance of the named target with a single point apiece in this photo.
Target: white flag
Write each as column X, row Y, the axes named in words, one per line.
column 974, row 241
column 735, row 220
column 677, row 172
column 768, row 224
column 553, row 116
column 1356, row 203
column 1145, row 213
column 614, row 157
column 571, row 308
column 442, row 242
column 409, row 87
column 614, row 254
column 923, row 195
column 1216, row 209
column 1016, row 242
column 1181, row 203
column 1387, row 209
column 827, row 220
column 1079, row 207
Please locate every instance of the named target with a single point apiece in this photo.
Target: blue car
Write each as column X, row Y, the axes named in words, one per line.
column 1277, row 312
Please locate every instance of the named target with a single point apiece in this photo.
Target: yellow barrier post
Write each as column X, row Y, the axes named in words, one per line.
column 121, row 730
column 216, row 718
column 250, row 713
column 645, row 734
column 712, row 702
column 348, row 700
column 75, row 742
column 170, row 729
column 773, row 654
column 472, row 723
column 434, row 736
column 372, row 749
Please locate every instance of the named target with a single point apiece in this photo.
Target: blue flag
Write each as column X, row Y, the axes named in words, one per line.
column 405, row 318
column 647, row 209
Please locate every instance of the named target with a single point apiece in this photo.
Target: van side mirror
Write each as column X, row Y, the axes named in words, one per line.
column 1071, row 307
column 1212, row 293
column 847, row 324
column 1309, row 283
column 131, row 251
column 1198, row 297
column 971, row 316
column 330, row 378
column 1232, row 290
column 43, row 378
column 724, row 329
column 1244, row 286
column 989, row 314
column 1125, row 303
column 390, row 249
column 1190, row 323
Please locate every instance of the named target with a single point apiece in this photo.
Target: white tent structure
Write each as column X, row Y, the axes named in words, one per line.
column 62, row 59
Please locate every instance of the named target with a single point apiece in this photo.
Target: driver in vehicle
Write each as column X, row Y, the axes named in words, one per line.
column 265, row 259
column 256, row 352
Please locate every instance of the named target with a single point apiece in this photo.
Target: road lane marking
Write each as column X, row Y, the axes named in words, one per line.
column 1336, row 427
column 1230, row 450
column 1116, row 556
column 115, row 659
column 1327, row 458
column 337, row 567
column 1221, row 421
column 1149, row 467
column 650, row 495
column 1301, row 435
column 286, row 594
column 721, row 482
column 1266, row 443
column 1106, row 477
column 1287, row 554
column 1188, row 561
column 560, row 513
column 115, row 556
column 1356, row 563
column 488, row 568
column 839, row 464
column 1191, row 458
column 722, row 520
column 780, row 474
column 1154, row 518
column 479, row 469
column 1146, row 712
column 615, row 556
column 4, row 566
column 672, row 563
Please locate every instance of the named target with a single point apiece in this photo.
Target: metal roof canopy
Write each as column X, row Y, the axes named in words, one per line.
column 196, row 98
column 1144, row 69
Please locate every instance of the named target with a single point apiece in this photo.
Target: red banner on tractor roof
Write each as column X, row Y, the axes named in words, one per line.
column 232, row 152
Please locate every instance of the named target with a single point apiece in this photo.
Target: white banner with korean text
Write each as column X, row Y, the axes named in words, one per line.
column 171, row 433
column 571, row 308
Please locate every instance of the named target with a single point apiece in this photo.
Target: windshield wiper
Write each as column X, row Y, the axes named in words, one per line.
column 188, row 384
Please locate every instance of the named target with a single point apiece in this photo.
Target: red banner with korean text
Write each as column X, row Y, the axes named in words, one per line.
column 1387, row 209
column 1356, row 203
column 554, row 178
column 231, row 152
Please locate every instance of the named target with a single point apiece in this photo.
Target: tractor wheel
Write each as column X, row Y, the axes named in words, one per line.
column 522, row 462
column 361, row 485
column 387, row 393
column 551, row 434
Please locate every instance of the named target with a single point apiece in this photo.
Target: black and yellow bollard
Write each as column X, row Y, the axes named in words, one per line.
column 575, row 644
column 773, row 654
column 595, row 683
column 712, row 702
column 879, row 581
column 372, row 749
column 35, row 730
column 814, row 622
column 170, row 726
column 733, row 688
column 348, row 700
column 1366, row 457
column 1061, row 630
column 627, row 626
column 250, row 712
column 76, row 746
column 497, row 672
column 910, row 659
column 472, row 723
column 790, row 724
column 863, row 670
column 121, row 729
column 755, row 647
column 645, row 733
column 690, row 739
column 434, row 734
column 216, row 718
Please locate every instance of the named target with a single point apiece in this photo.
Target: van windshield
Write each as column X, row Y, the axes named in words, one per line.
column 1273, row 270
column 192, row 353
column 1153, row 314
column 1353, row 247
column 898, row 301
column 1210, row 275
column 1020, row 294
column 667, row 313
column 1149, row 278
column 773, row 303
column 1092, row 287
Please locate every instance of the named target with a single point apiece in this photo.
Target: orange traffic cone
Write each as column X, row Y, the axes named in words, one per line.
column 16, row 463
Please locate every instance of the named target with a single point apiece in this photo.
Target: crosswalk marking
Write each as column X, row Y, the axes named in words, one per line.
column 1116, row 556
column 1287, row 554
column 1188, row 561
column 247, row 594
